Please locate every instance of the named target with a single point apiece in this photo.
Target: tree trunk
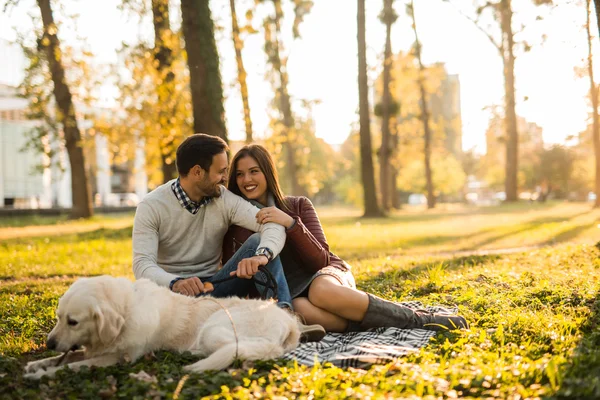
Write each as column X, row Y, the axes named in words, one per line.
column 594, row 98
column 425, row 117
column 597, row 6
column 80, row 187
column 164, row 58
column 512, row 135
column 395, row 139
column 366, row 151
column 385, row 151
column 238, row 44
column 284, row 101
column 203, row 63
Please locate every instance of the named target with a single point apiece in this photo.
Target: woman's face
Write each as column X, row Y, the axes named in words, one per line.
column 251, row 180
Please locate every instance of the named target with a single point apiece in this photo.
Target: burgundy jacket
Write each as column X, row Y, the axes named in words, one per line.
column 305, row 241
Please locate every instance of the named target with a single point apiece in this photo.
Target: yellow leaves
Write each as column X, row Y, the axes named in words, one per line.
column 52, row 29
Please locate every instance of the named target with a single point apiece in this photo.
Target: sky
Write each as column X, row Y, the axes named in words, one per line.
column 323, row 62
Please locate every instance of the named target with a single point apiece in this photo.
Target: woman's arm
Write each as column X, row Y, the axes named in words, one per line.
column 307, row 237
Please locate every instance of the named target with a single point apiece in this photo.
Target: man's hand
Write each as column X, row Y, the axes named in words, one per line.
column 248, row 267
column 191, row 286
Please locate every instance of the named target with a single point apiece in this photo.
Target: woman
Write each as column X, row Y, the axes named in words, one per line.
column 321, row 284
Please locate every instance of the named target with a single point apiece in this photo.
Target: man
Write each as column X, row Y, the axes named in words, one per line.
column 179, row 227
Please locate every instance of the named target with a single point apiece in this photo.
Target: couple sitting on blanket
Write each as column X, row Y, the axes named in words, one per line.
column 192, row 231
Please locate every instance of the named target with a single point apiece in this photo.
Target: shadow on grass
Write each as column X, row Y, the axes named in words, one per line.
column 98, row 234
column 569, row 234
column 521, row 228
column 10, row 284
column 23, row 221
column 580, row 377
column 427, row 216
column 409, row 243
column 393, row 279
column 104, row 233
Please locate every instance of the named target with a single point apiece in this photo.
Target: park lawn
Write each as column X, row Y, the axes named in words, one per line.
column 534, row 314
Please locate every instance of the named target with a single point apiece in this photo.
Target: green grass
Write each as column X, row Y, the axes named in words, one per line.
column 461, row 229
column 41, row 220
column 534, row 314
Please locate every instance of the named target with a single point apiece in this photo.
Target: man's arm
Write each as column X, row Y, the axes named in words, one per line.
column 145, row 246
column 242, row 213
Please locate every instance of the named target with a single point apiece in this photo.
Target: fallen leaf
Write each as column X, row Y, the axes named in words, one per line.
column 144, row 377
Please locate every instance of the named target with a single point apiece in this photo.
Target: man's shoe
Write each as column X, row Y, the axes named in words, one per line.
column 311, row 333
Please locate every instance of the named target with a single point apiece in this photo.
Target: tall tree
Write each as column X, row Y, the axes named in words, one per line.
column 386, row 185
column 594, row 100
column 163, row 55
column 512, row 143
column 203, row 62
column 274, row 49
column 366, row 150
column 425, row 116
column 80, row 187
column 150, row 111
column 238, row 44
column 502, row 13
column 597, row 6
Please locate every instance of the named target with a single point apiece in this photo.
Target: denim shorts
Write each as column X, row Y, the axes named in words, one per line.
column 345, row 278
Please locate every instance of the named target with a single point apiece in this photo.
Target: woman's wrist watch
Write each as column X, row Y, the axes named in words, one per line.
column 264, row 251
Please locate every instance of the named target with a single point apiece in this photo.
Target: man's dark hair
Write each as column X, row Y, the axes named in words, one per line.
column 198, row 149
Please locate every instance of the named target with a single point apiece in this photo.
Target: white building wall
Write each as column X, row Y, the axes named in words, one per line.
column 103, row 169
column 60, row 177
column 141, row 178
column 2, row 168
column 21, row 176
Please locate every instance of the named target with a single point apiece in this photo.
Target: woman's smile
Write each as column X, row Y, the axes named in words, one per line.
column 251, row 180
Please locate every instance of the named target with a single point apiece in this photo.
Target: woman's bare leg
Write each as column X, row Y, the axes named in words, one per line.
column 328, row 294
column 316, row 315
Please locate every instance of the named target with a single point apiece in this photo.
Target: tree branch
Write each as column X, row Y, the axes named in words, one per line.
column 476, row 22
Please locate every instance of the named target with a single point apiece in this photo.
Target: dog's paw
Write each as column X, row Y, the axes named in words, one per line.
column 194, row 369
column 35, row 375
column 189, row 368
column 34, row 366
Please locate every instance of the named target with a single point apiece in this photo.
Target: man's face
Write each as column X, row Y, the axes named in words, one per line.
column 216, row 175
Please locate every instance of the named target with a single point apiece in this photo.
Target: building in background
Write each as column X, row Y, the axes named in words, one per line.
column 445, row 110
column 29, row 179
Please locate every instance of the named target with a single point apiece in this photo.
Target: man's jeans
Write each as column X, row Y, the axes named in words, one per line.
column 241, row 287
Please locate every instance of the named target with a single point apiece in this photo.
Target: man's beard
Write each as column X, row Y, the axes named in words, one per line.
column 212, row 190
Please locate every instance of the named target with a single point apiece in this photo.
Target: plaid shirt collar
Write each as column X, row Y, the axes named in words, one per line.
column 185, row 201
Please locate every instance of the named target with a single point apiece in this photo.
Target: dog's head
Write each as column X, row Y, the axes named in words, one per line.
column 90, row 314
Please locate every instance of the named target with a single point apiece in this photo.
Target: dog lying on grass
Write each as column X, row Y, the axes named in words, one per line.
column 104, row 320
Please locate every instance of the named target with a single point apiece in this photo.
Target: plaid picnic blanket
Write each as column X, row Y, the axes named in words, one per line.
column 362, row 349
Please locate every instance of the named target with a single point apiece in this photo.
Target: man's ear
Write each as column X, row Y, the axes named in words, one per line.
column 198, row 172
column 108, row 323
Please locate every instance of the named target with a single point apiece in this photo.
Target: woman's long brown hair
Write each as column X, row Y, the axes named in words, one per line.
column 266, row 165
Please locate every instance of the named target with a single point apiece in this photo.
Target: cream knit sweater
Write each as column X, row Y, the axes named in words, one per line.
column 171, row 242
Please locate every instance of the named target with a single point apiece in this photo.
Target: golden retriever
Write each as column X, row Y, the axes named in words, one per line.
column 107, row 320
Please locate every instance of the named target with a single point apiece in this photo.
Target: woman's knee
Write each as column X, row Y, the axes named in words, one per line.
column 302, row 306
column 322, row 290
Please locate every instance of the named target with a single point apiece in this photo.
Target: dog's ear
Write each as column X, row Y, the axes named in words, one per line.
column 108, row 323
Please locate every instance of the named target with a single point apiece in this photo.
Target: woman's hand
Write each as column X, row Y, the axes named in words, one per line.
column 273, row 214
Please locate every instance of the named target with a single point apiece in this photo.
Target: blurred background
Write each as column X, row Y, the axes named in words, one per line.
column 375, row 104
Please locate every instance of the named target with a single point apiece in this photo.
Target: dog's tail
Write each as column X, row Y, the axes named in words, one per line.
column 247, row 350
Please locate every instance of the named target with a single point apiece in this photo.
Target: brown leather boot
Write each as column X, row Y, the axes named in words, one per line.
column 384, row 313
